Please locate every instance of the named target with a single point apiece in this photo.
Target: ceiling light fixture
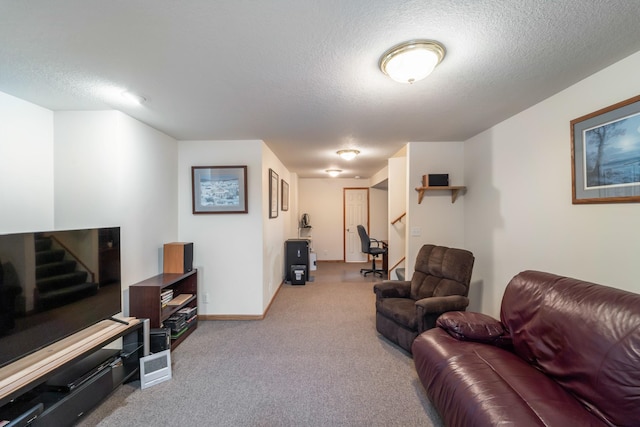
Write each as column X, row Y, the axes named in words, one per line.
column 333, row 172
column 411, row 61
column 348, row 154
column 133, row 98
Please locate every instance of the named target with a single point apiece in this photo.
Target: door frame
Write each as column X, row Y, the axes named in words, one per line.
column 344, row 218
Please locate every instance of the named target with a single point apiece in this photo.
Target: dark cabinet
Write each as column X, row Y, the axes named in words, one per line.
column 146, row 301
column 296, row 257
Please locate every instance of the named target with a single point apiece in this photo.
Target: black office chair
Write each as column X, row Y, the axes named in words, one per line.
column 368, row 248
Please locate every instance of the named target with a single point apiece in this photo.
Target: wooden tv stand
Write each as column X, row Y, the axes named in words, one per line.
column 24, row 382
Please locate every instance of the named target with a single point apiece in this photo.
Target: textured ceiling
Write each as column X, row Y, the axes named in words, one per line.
column 303, row 75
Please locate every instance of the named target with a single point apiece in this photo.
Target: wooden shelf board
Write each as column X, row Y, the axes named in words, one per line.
column 35, row 365
column 455, row 189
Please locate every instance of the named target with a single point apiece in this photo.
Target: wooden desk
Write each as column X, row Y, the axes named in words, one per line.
column 385, row 256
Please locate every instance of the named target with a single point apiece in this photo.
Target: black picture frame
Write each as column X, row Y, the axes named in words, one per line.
column 274, row 180
column 285, row 195
column 219, row 189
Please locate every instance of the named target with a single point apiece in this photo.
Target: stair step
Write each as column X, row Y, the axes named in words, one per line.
column 62, row 281
column 55, row 269
column 49, row 256
column 58, row 297
column 42, row 243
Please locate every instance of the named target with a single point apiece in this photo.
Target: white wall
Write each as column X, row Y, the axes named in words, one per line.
column 398, row 195
column 436, row 220
column 378, row 214
column 112, row 170
column 275, row 230
column 95, row 169
column 322, row 199
column 26, row 166
column 518, row 211
column 227, row 248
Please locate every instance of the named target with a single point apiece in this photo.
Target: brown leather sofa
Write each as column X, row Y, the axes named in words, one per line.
column 564, row 353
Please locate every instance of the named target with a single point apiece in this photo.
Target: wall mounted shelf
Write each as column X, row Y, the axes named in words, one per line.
column 455, row 190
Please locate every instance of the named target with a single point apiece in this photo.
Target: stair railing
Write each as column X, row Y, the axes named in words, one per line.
column 76, row 258
column 396, row 265
column 398, row 219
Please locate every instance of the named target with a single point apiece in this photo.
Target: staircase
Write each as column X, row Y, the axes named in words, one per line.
column 58, row 280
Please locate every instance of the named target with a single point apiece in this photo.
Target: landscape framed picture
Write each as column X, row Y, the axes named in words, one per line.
column 219, row 189
column 273, row 193
column 605, row 154
column 285, row 196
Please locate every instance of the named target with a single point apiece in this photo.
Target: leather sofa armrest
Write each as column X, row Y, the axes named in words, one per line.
column 442, row 304
column 478, row 327
column 392, row 289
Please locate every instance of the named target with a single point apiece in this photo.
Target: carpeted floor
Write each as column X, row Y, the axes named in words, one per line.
column 315, row 360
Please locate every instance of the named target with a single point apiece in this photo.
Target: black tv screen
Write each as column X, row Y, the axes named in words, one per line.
column 53, row 284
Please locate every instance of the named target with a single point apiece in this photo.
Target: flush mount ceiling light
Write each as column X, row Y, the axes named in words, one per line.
column 348, row 154
column 411, row 61
column 133, row 98
column 333, row 172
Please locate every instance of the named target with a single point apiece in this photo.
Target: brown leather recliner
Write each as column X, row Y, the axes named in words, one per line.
column 440, row 283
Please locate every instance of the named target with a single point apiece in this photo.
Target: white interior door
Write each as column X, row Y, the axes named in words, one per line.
column 356, row 211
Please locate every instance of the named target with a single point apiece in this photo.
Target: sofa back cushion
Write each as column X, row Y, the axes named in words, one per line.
column 583, row 335
column 441, row 271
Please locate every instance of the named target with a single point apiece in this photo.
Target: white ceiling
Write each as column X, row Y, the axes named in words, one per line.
column 303, row 75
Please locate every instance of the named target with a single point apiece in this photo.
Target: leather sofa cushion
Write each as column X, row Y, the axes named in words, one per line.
column 481, row 385
column 584, row 336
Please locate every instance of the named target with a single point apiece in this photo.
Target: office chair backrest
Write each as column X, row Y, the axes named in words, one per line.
column 364, row 239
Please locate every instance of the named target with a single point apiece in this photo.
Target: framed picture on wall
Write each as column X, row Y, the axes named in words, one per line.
column 219, row 189
column 605, row 154
column 285, row 196
column 273, row 193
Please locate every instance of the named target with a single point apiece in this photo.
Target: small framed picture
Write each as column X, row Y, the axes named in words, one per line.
column 219, row 189
column 285, row 196
column 273, row 193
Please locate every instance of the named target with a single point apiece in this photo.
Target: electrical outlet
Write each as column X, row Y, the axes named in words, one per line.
column 416, row 231
column 205, row 298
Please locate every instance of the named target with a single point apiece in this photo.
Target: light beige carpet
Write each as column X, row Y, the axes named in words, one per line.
column 315, row 360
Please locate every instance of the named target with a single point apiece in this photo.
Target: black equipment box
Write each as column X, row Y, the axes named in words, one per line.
column 159, row 340
column 297, row 253
column 438, row 180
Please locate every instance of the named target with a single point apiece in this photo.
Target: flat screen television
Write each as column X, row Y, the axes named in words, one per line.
column 54, row 284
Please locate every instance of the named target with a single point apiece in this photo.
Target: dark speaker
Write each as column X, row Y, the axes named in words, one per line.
column 159, row 339
column 178, row 257
column 438, row 180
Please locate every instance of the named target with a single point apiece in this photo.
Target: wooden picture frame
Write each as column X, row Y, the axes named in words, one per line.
column 274, row 180
column 605, row 154
column 285, row 195
column 219, row 189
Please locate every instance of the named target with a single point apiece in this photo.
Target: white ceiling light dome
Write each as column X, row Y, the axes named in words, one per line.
column 411, row 61
column 348, row 154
